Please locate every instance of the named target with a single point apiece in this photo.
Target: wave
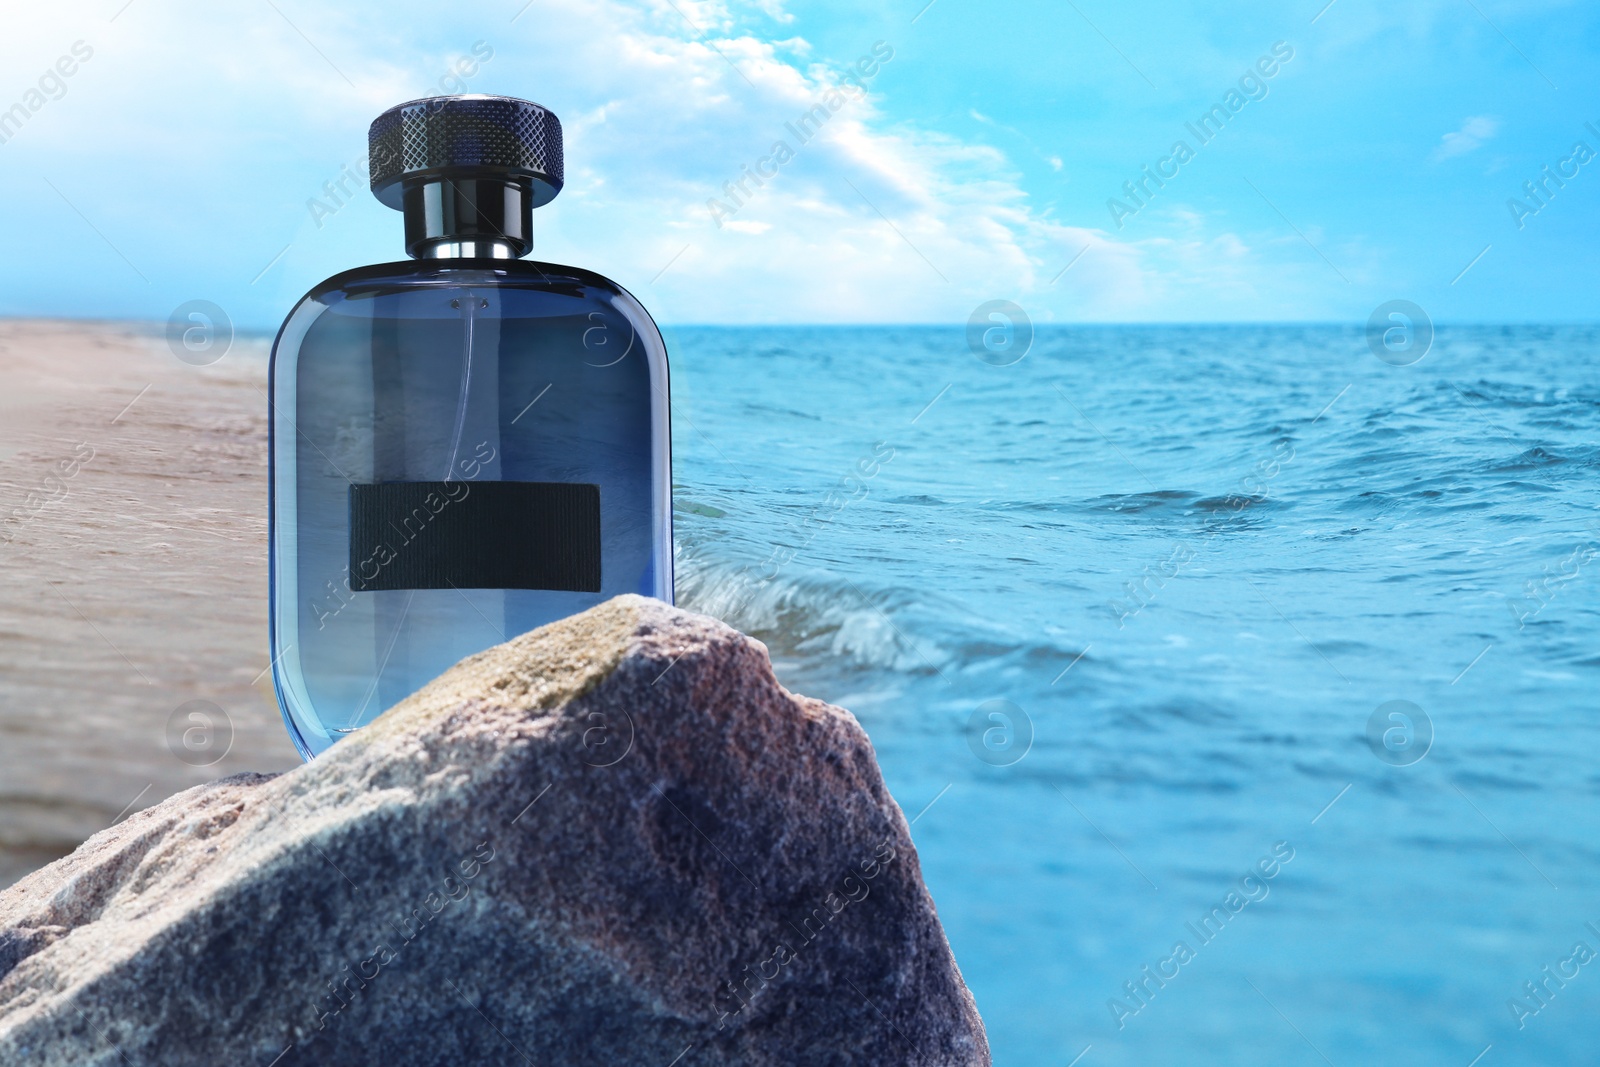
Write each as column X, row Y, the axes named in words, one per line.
column 824, row 617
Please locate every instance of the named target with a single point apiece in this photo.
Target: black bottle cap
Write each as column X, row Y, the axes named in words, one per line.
column 466, row 168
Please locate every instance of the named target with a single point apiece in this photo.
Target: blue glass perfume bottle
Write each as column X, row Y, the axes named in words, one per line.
column 464, row 446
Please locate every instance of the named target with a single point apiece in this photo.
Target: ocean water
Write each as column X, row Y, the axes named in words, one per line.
column 1126, row 620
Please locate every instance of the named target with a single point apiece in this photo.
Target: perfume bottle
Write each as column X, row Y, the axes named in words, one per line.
column 464, row 446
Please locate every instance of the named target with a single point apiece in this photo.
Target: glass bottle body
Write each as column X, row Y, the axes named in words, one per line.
column 461, row 451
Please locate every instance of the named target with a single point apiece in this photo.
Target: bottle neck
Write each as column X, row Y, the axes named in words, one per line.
column 453, row 218
column 474, row 249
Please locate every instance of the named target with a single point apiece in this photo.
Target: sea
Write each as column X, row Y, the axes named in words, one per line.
column 1241, row 684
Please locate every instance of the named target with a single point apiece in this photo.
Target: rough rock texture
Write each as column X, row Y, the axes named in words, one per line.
column 615, row 840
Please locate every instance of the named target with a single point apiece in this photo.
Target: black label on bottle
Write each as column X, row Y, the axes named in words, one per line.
column 475, row 535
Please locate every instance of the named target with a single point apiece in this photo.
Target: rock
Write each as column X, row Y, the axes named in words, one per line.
column 614, row 840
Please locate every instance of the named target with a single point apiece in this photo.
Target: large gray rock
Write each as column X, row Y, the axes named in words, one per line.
column 616, row 840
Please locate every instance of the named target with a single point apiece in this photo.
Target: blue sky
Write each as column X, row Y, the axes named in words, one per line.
column 179, row 160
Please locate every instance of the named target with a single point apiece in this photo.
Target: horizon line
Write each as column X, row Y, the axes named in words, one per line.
column 258, row 331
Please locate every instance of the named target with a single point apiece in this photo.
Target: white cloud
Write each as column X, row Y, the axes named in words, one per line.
column 247, row 113
column 1471, row 136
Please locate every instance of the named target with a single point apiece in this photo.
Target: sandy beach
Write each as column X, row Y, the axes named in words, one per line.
column 133, row 579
